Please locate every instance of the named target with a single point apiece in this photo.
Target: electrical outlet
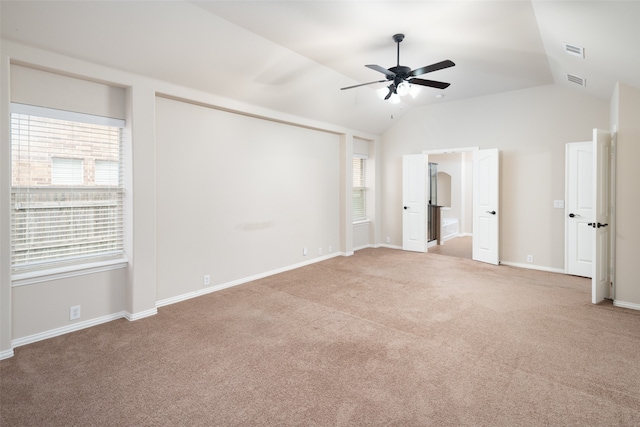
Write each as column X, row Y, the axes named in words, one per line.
column 529, row 258
column 206, row 281
column 330, row 249
column 74, row 312
column 319, row 251
column 304, row 251
column 388, row 239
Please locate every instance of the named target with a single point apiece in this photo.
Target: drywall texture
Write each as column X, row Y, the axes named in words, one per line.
column 254, row 188
column 530, row 128
column 625, row 113
column 239, row 196
column 42, row 307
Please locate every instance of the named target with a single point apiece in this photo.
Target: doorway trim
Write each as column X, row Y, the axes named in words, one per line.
column 450, row 150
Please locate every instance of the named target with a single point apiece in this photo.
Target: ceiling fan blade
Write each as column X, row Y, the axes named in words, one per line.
column 433, row 67
column 430, row 83
column 382, row 70
column 362, row 84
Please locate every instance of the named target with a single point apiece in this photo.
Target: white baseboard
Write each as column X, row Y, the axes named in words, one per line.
column 624, row 304
column 362, row 247
column 533, row 267
column 75, row 327
column 66, row 329
column 6, row 354
column 141, row 314
column 209, row 289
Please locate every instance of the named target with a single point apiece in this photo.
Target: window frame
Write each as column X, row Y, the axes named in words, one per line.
column 61, row 268
column 361, row 190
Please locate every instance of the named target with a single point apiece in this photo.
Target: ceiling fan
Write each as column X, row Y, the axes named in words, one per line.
column 400, row 75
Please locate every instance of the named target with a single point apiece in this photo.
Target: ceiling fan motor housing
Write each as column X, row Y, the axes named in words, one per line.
column 400, row 71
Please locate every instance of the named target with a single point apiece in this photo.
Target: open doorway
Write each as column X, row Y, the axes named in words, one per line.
column 484, row 176
column 451, row 190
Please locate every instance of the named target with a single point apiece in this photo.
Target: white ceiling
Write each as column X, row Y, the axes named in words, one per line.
column 293, row 56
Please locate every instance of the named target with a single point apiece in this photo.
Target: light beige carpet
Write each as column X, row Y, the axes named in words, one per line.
column 382, row 338
column 460, row 247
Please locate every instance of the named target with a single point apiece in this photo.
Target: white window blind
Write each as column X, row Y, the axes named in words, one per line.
column 63, row 213
column 67, row 171
column 107, row 172
column 359, row 212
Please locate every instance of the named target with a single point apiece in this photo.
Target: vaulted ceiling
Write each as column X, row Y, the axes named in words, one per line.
column 294, row 56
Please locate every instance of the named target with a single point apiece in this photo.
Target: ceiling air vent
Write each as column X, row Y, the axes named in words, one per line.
column 577, row 80
column 574, row 50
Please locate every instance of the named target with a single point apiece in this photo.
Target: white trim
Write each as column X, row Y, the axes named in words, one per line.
column 450, row 150
column 66, row 329
column 215, row 288
column 6, row 354
column 54, row 113
column 140, row 315
column 533, row 267
column 449, row 237
column 612, row 207
column 67, row 271
column 360, row 156
column 361, row 222
column 75, row 327
column 624, row 304
column 362, row 247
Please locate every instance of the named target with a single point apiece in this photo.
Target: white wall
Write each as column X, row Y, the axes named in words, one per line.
column 239, row 196
column 530, row 128
column 625, row 110
column 249, row 224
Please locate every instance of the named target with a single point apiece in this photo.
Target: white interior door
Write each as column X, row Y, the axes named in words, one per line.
column 485, row 205
column 601, row 278
column 414, row 202
column 579, row 209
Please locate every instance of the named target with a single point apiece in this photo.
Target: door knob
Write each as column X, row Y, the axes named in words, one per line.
column 596, row 224
column 572, row 215
column 491, row 212
column 406, row 207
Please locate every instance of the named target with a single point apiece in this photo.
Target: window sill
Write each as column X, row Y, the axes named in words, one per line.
column 32, row 277
column 362, row 222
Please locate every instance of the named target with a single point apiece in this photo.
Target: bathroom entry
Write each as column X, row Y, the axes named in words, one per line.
column 440, row 225
column 433, row 210
column 436, row 199
column 451, row 183
column 478, row 176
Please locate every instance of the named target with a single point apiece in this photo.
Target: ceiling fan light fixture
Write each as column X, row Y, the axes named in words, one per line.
column 403, row 79
column 414, row 91
column 403, row 89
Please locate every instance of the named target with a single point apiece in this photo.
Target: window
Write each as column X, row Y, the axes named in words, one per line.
column 359, row 188
column 66, row 189
column 107, row 172
column 66, row 171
